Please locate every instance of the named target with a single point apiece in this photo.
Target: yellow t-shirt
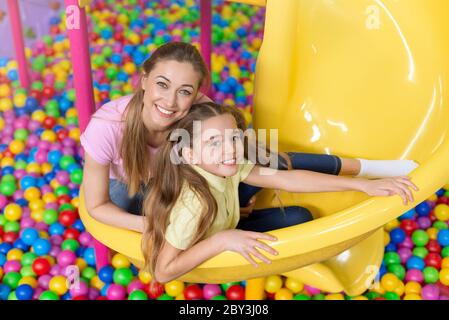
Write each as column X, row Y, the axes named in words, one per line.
column 185, row 215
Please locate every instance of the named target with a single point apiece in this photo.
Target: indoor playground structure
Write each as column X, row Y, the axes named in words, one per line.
column 354, row 78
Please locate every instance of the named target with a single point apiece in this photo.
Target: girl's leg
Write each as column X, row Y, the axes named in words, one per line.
column 274, row 218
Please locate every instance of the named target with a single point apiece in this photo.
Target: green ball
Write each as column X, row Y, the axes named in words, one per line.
column 47, row 40
column 420, row 252
column 391, row 296
column 21, row 134
column 440, row 225
column 446, row 193
column 301, row 297
column 372, row 295
column 51, row 105
column 28, row 258
column 226, row 286
column 2, row 220
column 62, row 190
column 444, row 252
column 38, row 65
column 48, row 295
column 66, row 206
column 50, row 216
column 72, row 121
column 420, row 238
column 7, row 188
column 89, row 273
column 8, row 178
column 20, row 165
column 12, row 226
column 123, row 276
column 219, row 297
column 37, row 85
column 72, row 245
column 319, row 296
column 12, row 296
column 99, row 61
column 71, row 95
column 76, row 176
column 391, row 258
column 165, row 296
column 397, row 269
column 107, row 52
column 11, row 279
column 431, row 275
column 53, row 113
column 27, row 271
column 111, row 73
column 59, row 85
column 138, row 295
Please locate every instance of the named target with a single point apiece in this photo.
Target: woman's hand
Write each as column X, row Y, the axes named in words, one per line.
column 246, row 211
column 245, row 243
column 389, row 187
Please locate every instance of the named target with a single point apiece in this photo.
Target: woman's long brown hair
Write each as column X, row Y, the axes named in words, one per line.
column 134, row 147
column 169, row 178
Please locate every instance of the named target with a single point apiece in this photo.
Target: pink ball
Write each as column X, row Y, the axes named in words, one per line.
column 32, row 141
column 26, row 222
column 44, row 145
column 63, row 177
column 116, row 292
column 3, row 201
column 46, row 189
column 78, row 289
column 37, row 293
column 414, row 275
column 405, row 254
column 18, row 195
column 41, row 156
column 19, row 173
column 55, row 270
column 12, row 266
column 51, row 205
column 55, row 251
column 41, row 226
column 44, row 281
column 311, row 290
column 211, row 290
column 85, row 239
column 68, row 151
column 135, row 285
column 430, row 292
column 424, row 223
column 56, row 239
column 21, row 123
column 407, row 243
column 93, row 294
column 66, row 258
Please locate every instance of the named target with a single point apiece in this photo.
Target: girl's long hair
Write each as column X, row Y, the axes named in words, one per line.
column 169, row 178
column 134, row 147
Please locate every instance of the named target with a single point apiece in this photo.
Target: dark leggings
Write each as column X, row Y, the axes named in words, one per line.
column 275, row 218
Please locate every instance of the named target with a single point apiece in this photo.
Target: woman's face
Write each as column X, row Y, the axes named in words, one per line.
column 170, row 90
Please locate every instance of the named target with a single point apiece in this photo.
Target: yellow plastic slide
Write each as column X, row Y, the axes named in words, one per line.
column 354, row 78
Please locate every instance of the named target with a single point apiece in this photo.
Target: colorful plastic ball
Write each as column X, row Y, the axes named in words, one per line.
column 106, row 274
column 66, row 258
column 24, row 292
column 123, row 276
column 41, row 266
column 138, row 295
column 430, row 292
column 273, row 284
column 79, row 289
column 58, row 284
column 284, row 294
column 41, row 246
column 48, row 295
column 235, row 292
column 209, row 291
column 29, row 235
column 443, row 238
column 431, row 275
column 154, row 289
column 442, row 212
column 415, row 263
column 175, row 288
column 7, row 188
column 12, row 279
column 397, row 235
column 420, row 238
column 193, row 292
column 120, row 261
column 294, row 285
column 89, row 256
column 13, row 212
column 116, row 292
column 423, row 209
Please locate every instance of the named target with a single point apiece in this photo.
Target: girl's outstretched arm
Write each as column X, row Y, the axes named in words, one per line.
column 172, row 262
column 311, row 182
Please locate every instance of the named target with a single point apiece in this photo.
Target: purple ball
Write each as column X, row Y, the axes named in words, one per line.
column 20, row 173
column 55, row 251
column 44, row 280
column 52, row 205
column 37, row 293
column 26, row 222
column 55, row 270
column 405, row 254
column 18, row 194
column 424, row 223
column 407, row 243
column 46, row 189
column 41, row 226
column 32, row 141
column 93, row 294
column 68, row 151
column 56, row 239
column 430, row 292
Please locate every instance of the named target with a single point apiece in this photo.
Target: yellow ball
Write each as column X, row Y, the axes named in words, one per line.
column 14, row 254
column 360, row 298
column 6, row 104
column 180, row 297
column 33, row 168
column 13, row 212
column 283, row 294
column 32, row 193
column 400, row 289
column 445, row 263
column 130, row 68
column 1, row 273
column 46, row 168
column 58, row 284
column 31, row 281
column 36, row 204
column 75, row 134
column 120, row 261
column 294, row 285
column 96, row 282
column 38, row 115
column 54, row 184
column 229, row 102
column 433, row 233
column 17, row 146
column 44, row 235
column 37, row 215
column 5, row 91
column 442, row 212
column 392, row 225
column 19, row 100
column 49, row 197
column 145, row 277
column 71, row 113
column 49, row 135
column 8, row 162
column 81, row 264
column 75, row 202
column 387, row 238
column 389, row 282
column 174, row 288
column 412, row 296
column 433, row 197
column 273, row 284
column 444, row 276
column 335, row 296
column 412, row 287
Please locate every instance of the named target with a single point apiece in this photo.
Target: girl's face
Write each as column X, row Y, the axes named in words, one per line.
column 221, row 146
column 170, row 90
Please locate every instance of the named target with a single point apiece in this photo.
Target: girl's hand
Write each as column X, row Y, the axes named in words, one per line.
column 245, row 243
column 246, row 211
column 389, row 187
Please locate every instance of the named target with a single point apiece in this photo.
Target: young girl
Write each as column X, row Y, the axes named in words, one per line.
column 124, row 135
column 192, row 208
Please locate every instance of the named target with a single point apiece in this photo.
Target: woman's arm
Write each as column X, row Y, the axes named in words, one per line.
column 172, row 263
column 98, row 204
column 308, row 181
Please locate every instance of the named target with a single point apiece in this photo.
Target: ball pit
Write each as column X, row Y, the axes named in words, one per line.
column 41, row 165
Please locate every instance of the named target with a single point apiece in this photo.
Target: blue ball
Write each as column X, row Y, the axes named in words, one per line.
column 383, row 270
column 19, row 244
column 116, row 58
column 106, row 274
column 7, row 170
column 443, row 237
column 5, row 247
column 29, row 235
column 390, row 247
column 41, row 247
column 415, row 263
column 397, row 235
column 4, row 291
column 440, row 192
column 104, row 290
column 66, row 296
column 408, row 215
column 31, row 102
column 27, row 182
column 2, row 259
column 423, row 209
column 78, row 225
column 24, row 292
column 56, row 228
column 13, row 75
column 89, row 256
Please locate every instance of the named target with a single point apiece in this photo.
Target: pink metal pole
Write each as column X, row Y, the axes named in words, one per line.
column 19, row 46
column 206, row 33
column 85, row 104
column 80, row 56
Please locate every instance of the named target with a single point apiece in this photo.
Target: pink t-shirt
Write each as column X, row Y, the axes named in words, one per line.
column 102, row 137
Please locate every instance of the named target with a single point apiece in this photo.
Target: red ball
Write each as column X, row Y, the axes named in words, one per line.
column 433, row 246
column 80, row 298
column 62, row 134
column 432, row 216
column 71, row 234
column 409, row 226
column 270, row 296
column 443, row 200
column 101, row 298
column 104, row 95
column 41, row 266
column 193, row 292
column 64, row 198
column 67, row 218
column 8, row 153
column 154, row 289
column 36, row 94
column 1, row 231
column 10, row 236
column 49, row 122
column 48, row 92
column 235, row 292
column 433, row 260
column 118, row 36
